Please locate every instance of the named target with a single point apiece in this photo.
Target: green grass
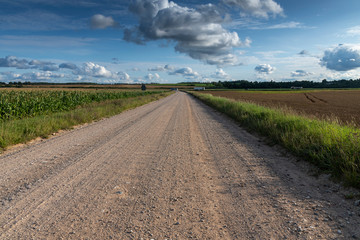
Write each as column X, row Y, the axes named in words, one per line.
column 23, row 130
column 333, row 148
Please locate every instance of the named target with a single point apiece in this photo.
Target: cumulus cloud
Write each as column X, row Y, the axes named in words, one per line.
column 93, row 70
column 342, row 58
column 165, row 68
column 90, row 69
column 196, row 32
column 32, row 76
column 300, row 73
column 220, row 74
column 99, row 21
column 187, row 72
column 71, row 66
column 12, row 61
column 257, row 8
column 264, row 69
column 122, row 76
column 152, row 77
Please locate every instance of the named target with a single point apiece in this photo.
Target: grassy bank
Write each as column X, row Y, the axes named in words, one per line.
column 333, row 148
column 23, row 130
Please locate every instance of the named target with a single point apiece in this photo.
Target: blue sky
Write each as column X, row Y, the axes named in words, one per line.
column 185, row 40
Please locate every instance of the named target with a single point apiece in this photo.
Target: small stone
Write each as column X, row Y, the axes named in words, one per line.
column 357, row 203
column 177, row 223
column 339, row 232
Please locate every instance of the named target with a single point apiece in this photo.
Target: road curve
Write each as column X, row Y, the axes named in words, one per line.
column 171, row 169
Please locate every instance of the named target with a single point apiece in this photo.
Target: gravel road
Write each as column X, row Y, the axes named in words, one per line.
column 171, row 169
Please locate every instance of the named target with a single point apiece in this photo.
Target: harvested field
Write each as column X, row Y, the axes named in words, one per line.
column 343, row 105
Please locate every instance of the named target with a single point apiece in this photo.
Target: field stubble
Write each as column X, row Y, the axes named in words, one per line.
column 342, row 106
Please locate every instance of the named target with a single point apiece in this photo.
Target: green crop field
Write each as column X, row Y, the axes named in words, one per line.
column 28, row 114
column 21, row 104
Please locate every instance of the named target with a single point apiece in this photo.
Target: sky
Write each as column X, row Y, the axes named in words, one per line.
column 161, row 41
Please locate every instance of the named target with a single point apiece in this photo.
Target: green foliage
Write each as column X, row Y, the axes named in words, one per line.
column 23, row 130
column 333, row 148
column 21, row 104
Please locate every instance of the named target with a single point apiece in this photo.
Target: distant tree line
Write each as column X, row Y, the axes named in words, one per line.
column 239, row 84
column 243, row 84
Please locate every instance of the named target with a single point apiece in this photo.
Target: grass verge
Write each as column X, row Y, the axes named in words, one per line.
column 335, row 149
column 23, row 130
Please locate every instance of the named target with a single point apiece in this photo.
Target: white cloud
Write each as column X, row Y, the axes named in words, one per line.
column 122, row 76
column 152, row 77
column 353, row 31
column 93, row 70
column 165, row 68
column 220, row 74
column 286, row 25
column 187, row 72
column 257, row 8
column 14, row 62
column 264, row 69
column 90, row 69
column 196, row 32
column 300, row 73
column 33, row 76
column 99, row 21
column 71, row 66
column 344, row 57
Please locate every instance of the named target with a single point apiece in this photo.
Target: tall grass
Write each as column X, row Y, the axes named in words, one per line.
column 23, row 130
column 333, row 148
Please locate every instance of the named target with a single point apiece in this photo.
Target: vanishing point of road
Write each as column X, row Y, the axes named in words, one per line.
column 171, row 169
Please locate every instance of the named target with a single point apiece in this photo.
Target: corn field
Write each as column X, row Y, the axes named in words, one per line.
column 22, row 104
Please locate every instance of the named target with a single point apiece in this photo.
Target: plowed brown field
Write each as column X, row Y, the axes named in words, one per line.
column 343, row 105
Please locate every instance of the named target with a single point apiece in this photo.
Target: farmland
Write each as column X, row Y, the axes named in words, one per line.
column 341, row 105
column 21, row 104
column 172, row 169
column 28, row 114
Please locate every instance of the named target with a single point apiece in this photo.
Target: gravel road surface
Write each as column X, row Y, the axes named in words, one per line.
column 171, row 169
